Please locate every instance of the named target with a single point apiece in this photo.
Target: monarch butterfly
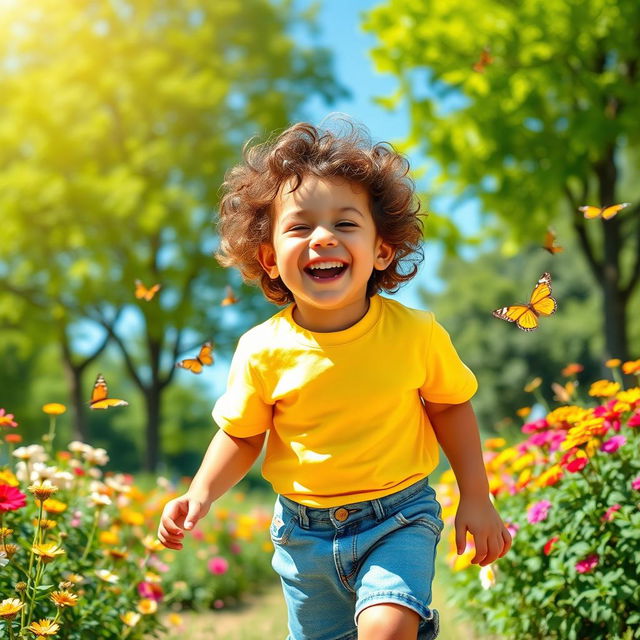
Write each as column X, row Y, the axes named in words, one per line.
column 147, row 294
column 550, row 242
column 526, row 315
column 100, row 396
column 563, row 393
column 484, row 60
column 606, row 213
column 229, row 299
column 205, row 357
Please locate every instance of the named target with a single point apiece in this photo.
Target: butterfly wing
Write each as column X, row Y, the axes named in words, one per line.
column 206, row 353
column 99, row 396
column 141, row 290
column 229, row 299
column 191, row 364
column 151, row 292
column 590, row 211
column 550, row 243
column 512, row 313
column 611, row 211
column 541, row 302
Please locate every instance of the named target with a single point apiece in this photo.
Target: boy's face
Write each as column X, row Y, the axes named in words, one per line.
column 326, row 222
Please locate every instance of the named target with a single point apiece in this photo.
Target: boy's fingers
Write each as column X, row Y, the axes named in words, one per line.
column 193, row 516
column 461, row 539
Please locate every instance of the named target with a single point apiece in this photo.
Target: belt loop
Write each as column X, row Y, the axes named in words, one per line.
column 302, row 516
column 378, row 509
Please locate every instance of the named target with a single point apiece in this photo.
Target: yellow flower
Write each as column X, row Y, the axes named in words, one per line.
column 504, row 456
column 109, row 537
column 584, row 431
column 44, row 628
column 54, row 506
column 174, row 619
column 604, row 389
column 43, row 489
column 47, row 551
column 147, row 606
column 5, row 532
column 152, row 544
column 524, row 477
column 533, row 385
column 613, row 362
column 523, row 412
column 44, row 523
column 549, row 477
column 76, row 578
column 9, row 608
column 64, row 599
column 129, row 516
column 632, row 366
column 564, row 417
column 150, row 576
column 10, row 549
column 523, row 461
column 131, row 618
column 54, row 409
column 494, row 443
column 7, row 477
column 629, row 398
column 117, row 554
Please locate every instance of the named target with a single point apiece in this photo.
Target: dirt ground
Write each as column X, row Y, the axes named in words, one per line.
column 263, row 617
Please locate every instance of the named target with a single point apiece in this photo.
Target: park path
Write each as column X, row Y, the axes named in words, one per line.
column 263, row 617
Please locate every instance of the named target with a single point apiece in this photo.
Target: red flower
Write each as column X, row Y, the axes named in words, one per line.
column 608, row 516
column 13, row 437
column 150, row 590
column 577, row 464
column 549, row 545
column 11, row 498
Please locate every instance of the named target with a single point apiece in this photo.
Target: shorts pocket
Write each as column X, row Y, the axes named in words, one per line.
column 280, row 530
column 435, row 524
column 424, row 511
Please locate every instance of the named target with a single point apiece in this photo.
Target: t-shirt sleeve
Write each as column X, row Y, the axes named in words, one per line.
column 241, row 411
column 448, row 380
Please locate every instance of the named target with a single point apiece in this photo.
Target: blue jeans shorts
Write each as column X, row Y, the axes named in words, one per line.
column 335, row 562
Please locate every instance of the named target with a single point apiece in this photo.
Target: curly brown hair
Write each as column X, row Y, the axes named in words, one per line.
column 250, row 188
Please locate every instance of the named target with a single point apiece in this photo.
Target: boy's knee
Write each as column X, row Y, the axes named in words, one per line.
column 388, row 621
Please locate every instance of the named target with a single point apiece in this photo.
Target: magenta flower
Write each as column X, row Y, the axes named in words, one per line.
column 635, row 483
column 537, row 425
column 608, row 515
column 634, row 420
column 218, row 565
column 150, row 590
column 587, row 564
column 11, row 499
column 613, row 444
column 538, row 512
column 6, row 419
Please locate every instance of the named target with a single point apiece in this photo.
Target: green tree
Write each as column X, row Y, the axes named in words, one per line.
column 547, row 122
column 117, row 123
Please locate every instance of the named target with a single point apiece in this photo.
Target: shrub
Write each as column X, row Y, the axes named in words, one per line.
column 570, row 496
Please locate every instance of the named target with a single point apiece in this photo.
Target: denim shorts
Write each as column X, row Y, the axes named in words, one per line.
column 335, row 562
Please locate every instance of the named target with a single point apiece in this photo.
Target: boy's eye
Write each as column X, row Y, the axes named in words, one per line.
column 346, row 223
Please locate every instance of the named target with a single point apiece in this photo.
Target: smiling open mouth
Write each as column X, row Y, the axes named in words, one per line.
column 325, row 273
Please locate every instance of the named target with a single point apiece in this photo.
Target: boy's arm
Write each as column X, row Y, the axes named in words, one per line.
column 225, row 463
column 457, row 432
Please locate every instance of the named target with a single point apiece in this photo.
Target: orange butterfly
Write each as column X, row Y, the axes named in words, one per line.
column 606, row 213
column 564, row 393
column 484, row 60
column 100, row 396
column 540, row 304
column 143, row 292
column 550, row 242
column 205, row 357
column 230, row 298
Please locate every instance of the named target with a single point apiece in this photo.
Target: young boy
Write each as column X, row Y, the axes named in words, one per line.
column 355, row 391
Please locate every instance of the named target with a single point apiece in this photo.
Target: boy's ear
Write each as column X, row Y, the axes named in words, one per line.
column 384, row 255
column 267, row 259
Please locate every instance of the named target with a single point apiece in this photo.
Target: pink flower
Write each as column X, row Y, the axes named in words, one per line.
column 6, row 419
column 76, row 521
column 608, row 516
column 150, row 590
column 218, row 565
column 549, row 545
column 577, row 464
column 218, row 604
column 613, row 444
column 11, row 499
column 197, row 534
column 538, row 512
column 538, row 425
column 587, row 564
column 235, row 548
column 611, row 416
column 635, row 483
column 634, row 420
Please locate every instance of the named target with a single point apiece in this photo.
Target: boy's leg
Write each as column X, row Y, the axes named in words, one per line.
column 388, row 621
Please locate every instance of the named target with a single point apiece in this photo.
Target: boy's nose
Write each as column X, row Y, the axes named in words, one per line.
column 322, row 237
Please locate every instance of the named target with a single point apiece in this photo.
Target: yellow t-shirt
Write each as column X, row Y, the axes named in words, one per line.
column 343, row 409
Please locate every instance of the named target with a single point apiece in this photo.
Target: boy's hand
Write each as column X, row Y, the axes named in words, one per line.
column 480, row 518
column 179, row 515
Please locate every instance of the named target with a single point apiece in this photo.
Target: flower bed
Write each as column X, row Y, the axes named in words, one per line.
column 570, row 495
column 78, row 553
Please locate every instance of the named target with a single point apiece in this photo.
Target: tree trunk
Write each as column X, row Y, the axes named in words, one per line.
column 152, row 399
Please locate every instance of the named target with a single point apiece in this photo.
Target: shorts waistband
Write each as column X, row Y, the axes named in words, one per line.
column 343, row 515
